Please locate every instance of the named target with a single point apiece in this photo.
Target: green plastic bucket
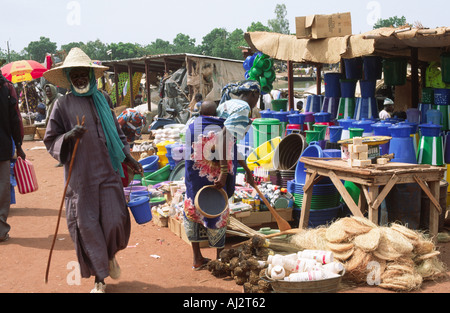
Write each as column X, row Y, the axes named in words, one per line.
column 281, row 104
column 395, row 70
column 322, row 129
column 312, row 135
column 264, row 130
column 356, row 132
column 445, row 67
column 160, row 175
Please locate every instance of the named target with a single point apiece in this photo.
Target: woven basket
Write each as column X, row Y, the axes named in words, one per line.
column 137, row 154
column 29, row 130
column 40, row 132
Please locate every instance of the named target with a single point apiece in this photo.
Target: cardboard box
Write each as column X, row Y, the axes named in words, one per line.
column 323, row 26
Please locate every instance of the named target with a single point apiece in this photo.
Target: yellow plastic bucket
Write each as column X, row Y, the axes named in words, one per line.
column 263, row 155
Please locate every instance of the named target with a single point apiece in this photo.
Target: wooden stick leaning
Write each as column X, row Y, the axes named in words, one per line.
column 62, row 201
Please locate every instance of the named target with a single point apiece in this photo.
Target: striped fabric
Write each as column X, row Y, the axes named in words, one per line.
column 236, row 114
column 25, row 176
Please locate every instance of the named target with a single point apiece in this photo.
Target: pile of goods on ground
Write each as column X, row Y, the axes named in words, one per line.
column 395, row 257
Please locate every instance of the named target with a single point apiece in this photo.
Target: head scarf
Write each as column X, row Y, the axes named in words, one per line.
column 54, row 92
column 239, row 88
column 113, row 142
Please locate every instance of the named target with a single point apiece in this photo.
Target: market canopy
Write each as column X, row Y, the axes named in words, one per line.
column 384, row 41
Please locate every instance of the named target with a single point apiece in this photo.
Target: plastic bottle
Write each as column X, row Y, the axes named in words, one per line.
column 279, row 259
column 307, row 276
column 334, row 267
column 324, row 257
column 278, row 273
column 301, row 265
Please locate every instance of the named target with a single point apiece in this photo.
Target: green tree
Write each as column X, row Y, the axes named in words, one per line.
column 280, row 24
column 214, row 42
column 159, row 46
column 258, row 27
column 37, row 50
column 96, row 50
column 122, row 51
column 394, row 21
column 184, row 44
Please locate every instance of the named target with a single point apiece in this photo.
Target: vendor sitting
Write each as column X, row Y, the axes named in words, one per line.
column 41, row 113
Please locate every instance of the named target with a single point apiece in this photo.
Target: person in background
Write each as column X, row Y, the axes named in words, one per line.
column 131, row 122
column 212, row 160
column 10, row 137
column 98, row 218
column 52, row 94
column 386, row 113
column 198, row 102
column 41, row 113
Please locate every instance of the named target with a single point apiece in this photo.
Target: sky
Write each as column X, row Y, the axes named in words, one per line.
column 144, row 21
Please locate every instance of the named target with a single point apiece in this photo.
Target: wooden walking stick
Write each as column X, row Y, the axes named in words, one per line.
column 62, row 201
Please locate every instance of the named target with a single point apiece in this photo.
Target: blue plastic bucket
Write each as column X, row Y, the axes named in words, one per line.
column 295, row 119
column 430, row 130
column 333, row 153
column 366, row 108
column 267, row 113
column 442, row 96
column 348, row 88
column 140, row 207
column 354, row 68
column 382, row 129
column 314, row 151
column 322, row 117
column 332, row 86
column 423, row 108
column 366, row 125
column 139, row 194
column 150, row 164
column 319, row 218
column 331, row 105
column 335, row 133
column 373, row 67
column 402, row 144
column 434, row 117
column 368, row 88
column 313, row 104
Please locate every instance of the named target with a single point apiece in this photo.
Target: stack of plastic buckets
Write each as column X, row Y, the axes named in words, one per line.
column 441, row 103
column 347, row 103
column 313, row 104
column 367, row 106
column 366, row 125
column 296, row 122
column 430, row 150
column 325, row 202
column 332, row 93
column 346, row 123
column 308, row 119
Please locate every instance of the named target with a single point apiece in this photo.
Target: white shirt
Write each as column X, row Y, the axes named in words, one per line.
column 384, row 115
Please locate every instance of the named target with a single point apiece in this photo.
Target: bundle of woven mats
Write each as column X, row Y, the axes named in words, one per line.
column 392, row 257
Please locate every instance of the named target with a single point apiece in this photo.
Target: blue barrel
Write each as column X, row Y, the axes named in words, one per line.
column 332, row 85
column 354, row 68
column 348, row 88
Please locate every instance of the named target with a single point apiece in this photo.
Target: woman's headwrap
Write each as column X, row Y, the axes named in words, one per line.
column 239, row 88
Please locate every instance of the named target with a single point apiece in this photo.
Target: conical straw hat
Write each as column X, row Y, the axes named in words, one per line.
column 75, row 58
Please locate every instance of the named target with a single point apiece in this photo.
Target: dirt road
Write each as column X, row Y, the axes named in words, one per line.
column 156, row 260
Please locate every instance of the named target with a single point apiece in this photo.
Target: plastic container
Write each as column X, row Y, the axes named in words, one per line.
column 314, row 151
column 150, row 164
column 368, row 88
column 265, row 130
column 445, row 67
column 295, row 119
column 331, row 105
column 335, row 133
column 365, row 124
column 353, row 68
column 373, row 67
column 332, row 85
column 313, row 104
column 308, row 120
column 428, row 95
column 140, row 208
column 356, row 132
column 347, row 108
column 382, row 129
column 346, row 123
column 160, row 175
column 434, row 117
column 402, row 144
column 348, row 88
column 267, row 113
column 430, row 130
column 395, row 70
column 323, row 257
column 312, row 136
column 322, row 117
column 280, row 104
column 366, row 108
column 288, row 152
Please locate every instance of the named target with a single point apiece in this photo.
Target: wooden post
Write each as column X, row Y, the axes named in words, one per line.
column 116, row 82
column 306, row 205
column 290, row 67
column 130, row 84
column 147, row 85
column 319, row 79
column 415, row 78
column 434, row 210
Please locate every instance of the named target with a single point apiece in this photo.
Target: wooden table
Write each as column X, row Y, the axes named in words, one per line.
column 370, row 180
